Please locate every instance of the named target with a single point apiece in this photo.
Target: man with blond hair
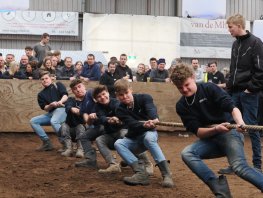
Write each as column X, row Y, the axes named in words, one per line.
column 139, row 114
column 246, row 80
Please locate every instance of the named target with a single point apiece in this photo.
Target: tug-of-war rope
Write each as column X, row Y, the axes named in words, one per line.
column 229, row 126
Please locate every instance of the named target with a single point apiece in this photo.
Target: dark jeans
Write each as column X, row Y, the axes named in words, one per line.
column 248, row 105
column 105, row 144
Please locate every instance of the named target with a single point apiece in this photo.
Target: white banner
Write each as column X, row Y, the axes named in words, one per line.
column 140, row 37
column 14, row 5
column 39, row 22
column 203, row 38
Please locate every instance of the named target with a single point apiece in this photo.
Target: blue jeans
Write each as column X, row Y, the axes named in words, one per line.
column 229, row 144
column 248, row 105
column 127, row 147
column 53, row 118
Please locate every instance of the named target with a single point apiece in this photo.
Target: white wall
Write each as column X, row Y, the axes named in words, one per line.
column 134, row 35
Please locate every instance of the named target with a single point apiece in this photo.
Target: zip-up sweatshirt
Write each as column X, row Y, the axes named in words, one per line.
column 246, row 67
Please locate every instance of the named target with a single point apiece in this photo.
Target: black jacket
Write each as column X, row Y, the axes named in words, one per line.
column 104, row 112
column 109, row 79
column 246, row 68
column 143, row 110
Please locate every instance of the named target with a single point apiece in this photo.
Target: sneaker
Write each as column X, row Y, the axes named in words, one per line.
column 113, row 168
column 226, row 171
column 67, row 153
column 80, row 153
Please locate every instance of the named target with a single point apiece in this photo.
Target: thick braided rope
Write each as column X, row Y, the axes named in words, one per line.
column 229, row 126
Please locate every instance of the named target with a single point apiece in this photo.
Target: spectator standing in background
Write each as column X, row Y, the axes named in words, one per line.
column 60, row 62
column 139, row 76
column 78, row 69
column 160, row 74
column 8, row 59
column 13, row 72
column 41, row 48
column 153, row 64
column 67, row 72
column 109, row 78
column 2, row 66
column 23, row 62
column 216, row 76
column 246, row 80
column 91, row 69
column 122, row 69
column 199, row 78
column 29, row 54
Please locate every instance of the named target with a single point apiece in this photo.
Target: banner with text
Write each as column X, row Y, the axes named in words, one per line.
column 39, row 22
column 203, row 38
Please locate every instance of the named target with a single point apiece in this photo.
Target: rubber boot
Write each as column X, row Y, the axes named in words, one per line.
column 147, row 162
column 219, row 186
column 79, row 152
column 90, row 160
column 69, row 151
column 167, row 176
column 140, row 177
column 46, row 146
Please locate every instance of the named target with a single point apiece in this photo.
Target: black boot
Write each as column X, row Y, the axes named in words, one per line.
column 140, row 177
column 46, row 146
column 219, row 187
column 167, row 176
column 90, row 160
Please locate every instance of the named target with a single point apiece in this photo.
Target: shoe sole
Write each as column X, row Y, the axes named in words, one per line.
column 135, row 184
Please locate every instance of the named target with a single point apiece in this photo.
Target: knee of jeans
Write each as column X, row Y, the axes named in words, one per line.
column 99, row 140
column 186, row 153
column 80, row 132
column 118, row 144
column 150, row 139
column 238, row 166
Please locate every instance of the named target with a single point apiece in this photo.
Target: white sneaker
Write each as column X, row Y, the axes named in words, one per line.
column 80, row 153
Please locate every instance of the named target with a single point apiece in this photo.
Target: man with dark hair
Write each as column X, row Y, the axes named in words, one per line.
column 66, row 72
column 197, row 110
column 139, row 114
column 246, row 80
column 160, row 74
column 153, row 64
column 73, row 125
column 91, row 69
column 42, row 48
column 51, row 99
column 122, row 69
column 216, row 76
column 29, row 53
column 109, row 78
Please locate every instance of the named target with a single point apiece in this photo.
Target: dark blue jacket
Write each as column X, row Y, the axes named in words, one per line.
column 143, row 110
column 91, row 71
column 72, row 119
column 104, row 112
column 210, row 105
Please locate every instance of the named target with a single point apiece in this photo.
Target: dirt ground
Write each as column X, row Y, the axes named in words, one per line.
column 27, row 173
